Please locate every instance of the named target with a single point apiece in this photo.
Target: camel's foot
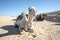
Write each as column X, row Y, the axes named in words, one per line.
column 26, row 30
column 21, row 33
column 31, row 30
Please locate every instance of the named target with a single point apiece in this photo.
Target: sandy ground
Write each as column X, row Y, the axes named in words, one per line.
column 44, row 30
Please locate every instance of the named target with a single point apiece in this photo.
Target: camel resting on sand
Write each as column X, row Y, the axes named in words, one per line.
column 22, row 22
column 25, row 21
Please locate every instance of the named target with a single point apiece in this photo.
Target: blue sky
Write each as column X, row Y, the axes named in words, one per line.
column 15, row 7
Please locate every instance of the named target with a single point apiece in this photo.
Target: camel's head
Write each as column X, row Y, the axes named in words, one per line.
column 32, row 11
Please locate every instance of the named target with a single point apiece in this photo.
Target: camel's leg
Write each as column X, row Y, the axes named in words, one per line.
column 26, row 27
column 29, row 27
column 16, row 26
column 26, row 30
column 20, row 30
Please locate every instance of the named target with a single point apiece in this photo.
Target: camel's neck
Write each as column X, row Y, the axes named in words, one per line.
column 30, row 17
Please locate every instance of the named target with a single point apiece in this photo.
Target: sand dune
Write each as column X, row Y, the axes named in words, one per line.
column 44, row 30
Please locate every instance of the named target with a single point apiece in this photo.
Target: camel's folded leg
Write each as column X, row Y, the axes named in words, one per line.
column 20, row 30
column 29, row 28
column 26, row 27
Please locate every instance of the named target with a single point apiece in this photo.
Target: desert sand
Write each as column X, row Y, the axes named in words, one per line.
column 44, row 30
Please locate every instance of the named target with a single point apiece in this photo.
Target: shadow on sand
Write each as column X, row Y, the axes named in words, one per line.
column 11, row 30
column 57, row 24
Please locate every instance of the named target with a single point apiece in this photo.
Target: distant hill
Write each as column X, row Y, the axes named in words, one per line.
column 55, row 13
column 53, row 16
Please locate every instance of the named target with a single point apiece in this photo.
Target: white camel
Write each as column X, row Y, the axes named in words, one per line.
column 22, row 23
column 31, row 16
column 26, row 23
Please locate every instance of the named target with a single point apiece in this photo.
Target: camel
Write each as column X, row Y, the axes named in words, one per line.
column 31, row 15
column 25, row 21
column 22, row 22
column 20, row 17
column 40, row 17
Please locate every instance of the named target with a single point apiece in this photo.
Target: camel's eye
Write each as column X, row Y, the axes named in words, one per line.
column 31, row 10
